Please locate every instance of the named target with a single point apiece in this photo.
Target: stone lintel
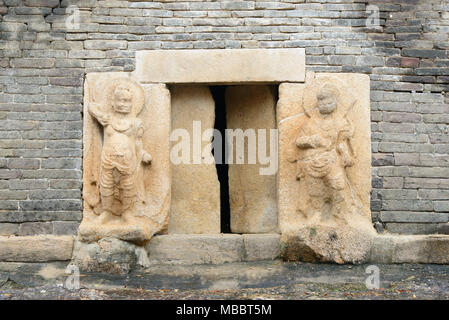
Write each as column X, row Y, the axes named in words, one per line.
column 221, row 66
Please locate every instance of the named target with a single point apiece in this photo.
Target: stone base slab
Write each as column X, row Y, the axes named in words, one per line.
column 225, row 248
column 40, row 248
column 221, row 248
column 89, row 232
column 321, row 243
column 212, row 249
column 108, row 255
column 410, row 249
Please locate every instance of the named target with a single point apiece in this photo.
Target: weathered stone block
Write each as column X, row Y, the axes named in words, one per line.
column 196, row 249
column 108, row 255
column 42, row 3
column 252, row 185
column 195, row 207
column 35, row 63
column 441, row 206
column 261, row 246
column 36, row 248
column 24, row 216
column 65, row 227
column 220, row 66
column 382, row 250
column 50, row 205
column 411, row 228
column 28, row 184
column 443, row 228
column 410, row 216
column 9, row 229
column 421, row 249
column 35, row 228
column 321, row 219
column 126, row 177
column 16, row 163
column 105, row 45
column 79, row 3
column 327, row 244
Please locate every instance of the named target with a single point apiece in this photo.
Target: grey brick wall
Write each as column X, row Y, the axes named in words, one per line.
column 42, row 68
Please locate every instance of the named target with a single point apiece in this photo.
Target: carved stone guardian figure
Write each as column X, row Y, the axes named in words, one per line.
column 122, row 154
column 324, row 141
column 126, row 192
column 324, row 172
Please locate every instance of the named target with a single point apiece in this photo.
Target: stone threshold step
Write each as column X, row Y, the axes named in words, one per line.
column 41, row 248
column 225, row 248
column 391, row 248
column 212, row 248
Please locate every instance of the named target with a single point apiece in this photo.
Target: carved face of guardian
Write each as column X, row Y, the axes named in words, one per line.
column 122, row 102
column 327, row 99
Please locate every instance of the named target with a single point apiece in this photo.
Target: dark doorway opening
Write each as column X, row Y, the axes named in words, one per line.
column 218, row 93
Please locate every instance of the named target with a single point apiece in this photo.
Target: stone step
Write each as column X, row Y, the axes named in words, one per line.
column 190, row 249
column 41, row 248
column 390, row 248
column 117, row 256
column 212, row 248
column 224, row 248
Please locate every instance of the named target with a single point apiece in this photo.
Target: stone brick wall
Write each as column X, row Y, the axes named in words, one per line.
column 42, row 68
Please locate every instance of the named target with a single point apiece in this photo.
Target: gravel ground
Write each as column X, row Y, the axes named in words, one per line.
column 255, row 281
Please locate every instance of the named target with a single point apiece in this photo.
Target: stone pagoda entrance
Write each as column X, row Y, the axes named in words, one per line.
column 163, row 174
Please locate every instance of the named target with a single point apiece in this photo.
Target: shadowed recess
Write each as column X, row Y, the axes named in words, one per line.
column 218, row 92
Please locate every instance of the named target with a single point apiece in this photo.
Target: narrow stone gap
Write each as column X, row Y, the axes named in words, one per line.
column 218, row 93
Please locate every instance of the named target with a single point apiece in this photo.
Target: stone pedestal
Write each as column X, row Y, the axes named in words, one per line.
column 109, row 255
column 321, row 243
